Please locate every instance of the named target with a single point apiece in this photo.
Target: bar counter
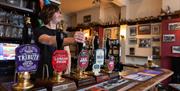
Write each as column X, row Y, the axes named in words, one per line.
column 141, row 86
column 149, row 84
column 133, row 85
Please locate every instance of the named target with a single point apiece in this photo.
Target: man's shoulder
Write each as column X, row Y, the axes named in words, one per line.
column 41, row 28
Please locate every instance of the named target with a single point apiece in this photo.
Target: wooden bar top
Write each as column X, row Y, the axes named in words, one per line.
column 146, row 85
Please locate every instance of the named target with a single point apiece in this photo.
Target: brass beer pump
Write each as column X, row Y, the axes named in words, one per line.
column 23, row 82
column 57, row 78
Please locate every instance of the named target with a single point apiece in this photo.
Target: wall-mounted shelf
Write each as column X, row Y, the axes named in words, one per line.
column 16, row 7
column 6, row 24
column 136, row 56
column 173, row 56
column 10, row 40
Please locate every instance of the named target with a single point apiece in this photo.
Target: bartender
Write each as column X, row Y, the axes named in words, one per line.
column 46, row 39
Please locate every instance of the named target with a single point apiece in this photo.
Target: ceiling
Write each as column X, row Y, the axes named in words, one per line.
column 71, row 6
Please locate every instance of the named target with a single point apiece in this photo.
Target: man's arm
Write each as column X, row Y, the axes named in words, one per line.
column 51, row 40
column 47, row 40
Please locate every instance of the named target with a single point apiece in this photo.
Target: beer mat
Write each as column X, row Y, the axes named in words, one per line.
column 153, row 72
column 143, row 75
column 111, row 85
column 138, row 77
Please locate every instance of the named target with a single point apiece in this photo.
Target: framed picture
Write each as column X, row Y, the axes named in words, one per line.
column 144, row 29
column 87, row 19
column 107, row 33
column 156, row 39
column 132, row 41
column 156, row 51
column 155, row 29
column 169, row 38
column 176, row 49
column 174, row 26
column 114, row 33
column 145, row 43
column 131, row 51
column 132, row 31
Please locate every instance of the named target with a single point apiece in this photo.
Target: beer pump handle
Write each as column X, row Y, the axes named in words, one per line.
column 84, row 45
column 60, row 40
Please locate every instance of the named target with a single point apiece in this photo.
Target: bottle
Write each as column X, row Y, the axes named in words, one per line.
column 28, row 37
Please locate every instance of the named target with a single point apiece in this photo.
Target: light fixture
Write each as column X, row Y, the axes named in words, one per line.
column 96, row 1
column 122, row 36
column 86, row 33
column 123, row 30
